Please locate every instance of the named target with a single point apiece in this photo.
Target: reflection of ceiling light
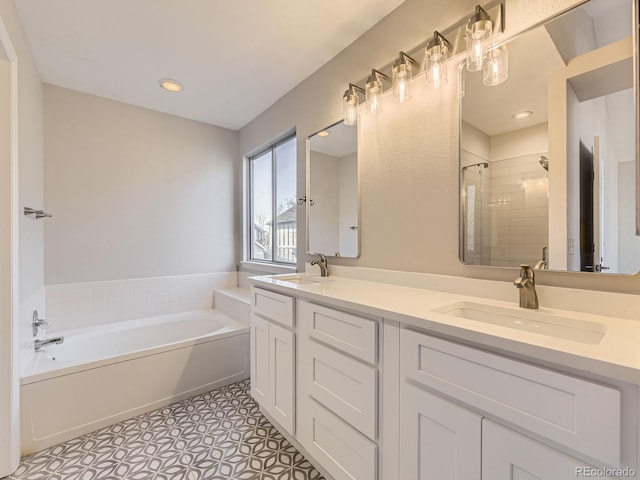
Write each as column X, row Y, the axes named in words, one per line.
column 170, row 85
column 324, row 133
column 523, row 115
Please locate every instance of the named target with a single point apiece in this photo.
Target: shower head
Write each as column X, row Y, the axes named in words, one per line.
column 544, row 161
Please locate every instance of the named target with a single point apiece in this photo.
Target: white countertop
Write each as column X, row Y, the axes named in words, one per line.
column 616, row 356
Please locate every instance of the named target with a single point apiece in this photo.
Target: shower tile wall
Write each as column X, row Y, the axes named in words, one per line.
column 516, row 215
column 78, row 305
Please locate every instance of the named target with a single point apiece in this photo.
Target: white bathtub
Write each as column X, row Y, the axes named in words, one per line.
column 102, row 375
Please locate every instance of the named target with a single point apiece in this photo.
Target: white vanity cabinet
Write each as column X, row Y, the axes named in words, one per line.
column 273, row 355
column 439, row 438
column 507, row 455
column 338, row 390
column 373, row 394
column 460, row 437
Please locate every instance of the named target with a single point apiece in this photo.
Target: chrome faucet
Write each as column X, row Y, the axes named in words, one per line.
column 37, row 322
column 43, row 343
column 527, row 287
column 322, row 263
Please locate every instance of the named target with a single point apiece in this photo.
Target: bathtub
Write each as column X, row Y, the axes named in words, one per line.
column 103, row 375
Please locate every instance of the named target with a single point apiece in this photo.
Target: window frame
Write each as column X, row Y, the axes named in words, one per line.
column 274, row 203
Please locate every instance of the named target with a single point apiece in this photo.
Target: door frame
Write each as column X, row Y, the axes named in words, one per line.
column 10, row 388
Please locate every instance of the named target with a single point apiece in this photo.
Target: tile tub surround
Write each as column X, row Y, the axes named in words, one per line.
column 216, row 435
column 77, row 305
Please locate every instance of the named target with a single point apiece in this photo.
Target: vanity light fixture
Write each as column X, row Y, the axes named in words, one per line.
column 170, row 85
column 437, row 52
column 478, row 35
column 496, row 66
column 350, row 101
column 401, row 74
column 373, row 91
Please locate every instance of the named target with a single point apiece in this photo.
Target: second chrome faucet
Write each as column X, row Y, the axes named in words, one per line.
column 526, row 284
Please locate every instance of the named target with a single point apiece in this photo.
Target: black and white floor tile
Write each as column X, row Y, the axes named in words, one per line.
column 217, row 435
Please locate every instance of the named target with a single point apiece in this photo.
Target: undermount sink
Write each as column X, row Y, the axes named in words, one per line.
column 299, row 279
column 552, row 325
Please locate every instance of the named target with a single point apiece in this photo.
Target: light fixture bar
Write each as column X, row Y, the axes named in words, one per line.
column 455, row 36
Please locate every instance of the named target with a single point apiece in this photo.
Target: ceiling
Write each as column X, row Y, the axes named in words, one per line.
column 234, row 58
column 341, row 141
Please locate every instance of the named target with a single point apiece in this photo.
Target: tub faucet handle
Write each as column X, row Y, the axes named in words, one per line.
column 37, row 323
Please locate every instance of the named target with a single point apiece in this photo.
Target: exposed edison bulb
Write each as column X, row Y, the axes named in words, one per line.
column 496, row 68
column 374, row 104
column 350, row 106
column 373, row 93
column 437, row 53
column 401, row 77
column 478, row 36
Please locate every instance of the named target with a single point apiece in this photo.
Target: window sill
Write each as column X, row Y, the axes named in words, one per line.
column 266, row 268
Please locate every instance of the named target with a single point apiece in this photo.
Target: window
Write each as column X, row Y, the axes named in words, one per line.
column 272, row 203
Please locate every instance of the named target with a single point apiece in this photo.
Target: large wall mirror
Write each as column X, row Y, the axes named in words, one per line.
column 332, row 192
column 548, row 158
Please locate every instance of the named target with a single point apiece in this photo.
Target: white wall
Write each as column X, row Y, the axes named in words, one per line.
column 409, row 154
column 628, row 242
column 134, row 193
column 323, row 227
column 473, row 142
column 348, row 216
column 532, row 140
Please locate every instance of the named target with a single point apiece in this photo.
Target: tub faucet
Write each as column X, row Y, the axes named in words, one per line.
column 527, row 287
column 322, row 263
column 43, row 343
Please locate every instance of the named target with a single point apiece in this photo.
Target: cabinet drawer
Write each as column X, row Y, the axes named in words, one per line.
column 576, row 413
column 354, row 335
column 340, row 449
column 273, row 306
column 344, row 385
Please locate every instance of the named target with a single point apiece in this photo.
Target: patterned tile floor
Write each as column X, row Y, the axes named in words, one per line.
column 216, row 435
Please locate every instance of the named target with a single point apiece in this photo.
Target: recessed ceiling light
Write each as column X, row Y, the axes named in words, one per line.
column 324, row 133
column 522, row 115
column 170, row 85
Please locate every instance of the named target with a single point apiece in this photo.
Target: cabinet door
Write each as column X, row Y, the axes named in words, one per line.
column 281, row 376
column 508, row 455
column 438, row 439
column 259, row 359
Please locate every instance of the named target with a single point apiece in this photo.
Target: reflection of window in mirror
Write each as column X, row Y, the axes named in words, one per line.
column 524, row 197
column 333, row 188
